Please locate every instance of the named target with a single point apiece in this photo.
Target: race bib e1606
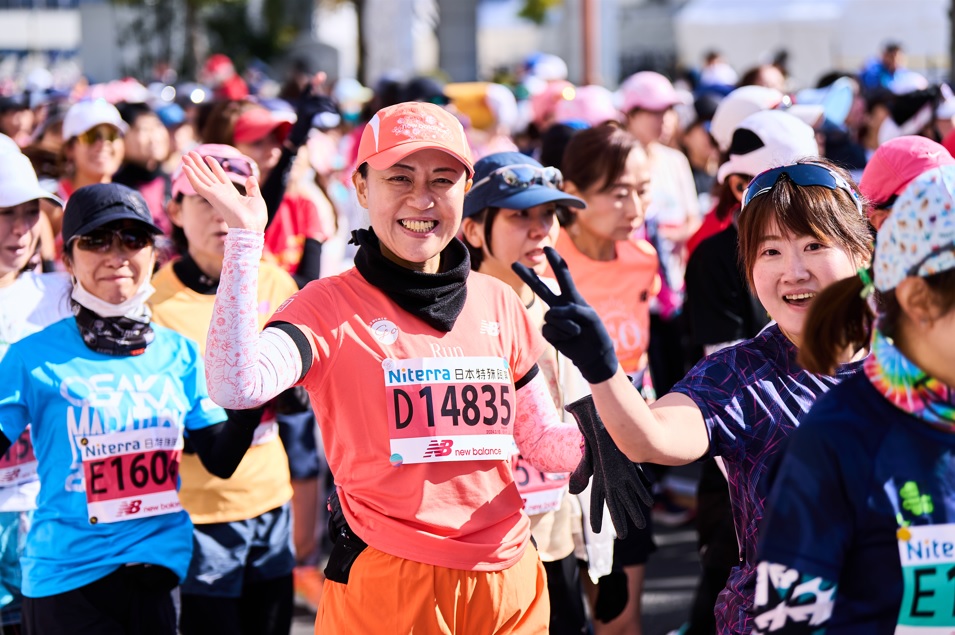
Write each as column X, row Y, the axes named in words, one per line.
column 132, row 474
column 449, row 409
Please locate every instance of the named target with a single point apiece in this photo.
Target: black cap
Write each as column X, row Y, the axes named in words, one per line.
column 95, row 205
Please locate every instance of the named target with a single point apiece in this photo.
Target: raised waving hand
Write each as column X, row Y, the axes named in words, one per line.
column 212, row 183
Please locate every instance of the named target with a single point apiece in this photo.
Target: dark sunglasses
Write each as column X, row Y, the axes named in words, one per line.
column 102, row 240
column 803, row 175
column 523, row 176
column 99, row 133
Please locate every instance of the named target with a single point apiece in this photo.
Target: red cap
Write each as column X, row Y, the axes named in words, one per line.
column 397, row 131
column 896, row 163
column 256, row 123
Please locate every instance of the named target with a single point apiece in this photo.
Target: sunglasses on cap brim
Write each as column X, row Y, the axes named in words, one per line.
column 802, row 175
column 522, row 176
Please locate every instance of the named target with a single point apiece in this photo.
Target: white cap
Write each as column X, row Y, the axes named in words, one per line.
column 744, row 101
column 18, row 183
column 8, row 145
column 86, row 115
column 768, row 139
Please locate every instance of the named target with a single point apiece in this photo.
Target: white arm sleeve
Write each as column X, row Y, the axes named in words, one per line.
column 245, row 368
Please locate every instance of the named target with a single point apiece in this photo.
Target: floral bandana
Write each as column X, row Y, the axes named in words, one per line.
column 907, row 387
column 918, row 237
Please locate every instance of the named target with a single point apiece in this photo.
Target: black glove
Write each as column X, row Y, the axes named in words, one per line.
column 314, row 111
column 612, row 596
column 617, row 480
column 571, row 325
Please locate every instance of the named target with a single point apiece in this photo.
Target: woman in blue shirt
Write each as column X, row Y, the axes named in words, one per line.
column 108, row 397
column 859, row 532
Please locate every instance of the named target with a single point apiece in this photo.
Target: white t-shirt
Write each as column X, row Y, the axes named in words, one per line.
column 30, row 304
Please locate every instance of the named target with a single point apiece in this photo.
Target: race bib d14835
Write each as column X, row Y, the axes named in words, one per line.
column 449, row 409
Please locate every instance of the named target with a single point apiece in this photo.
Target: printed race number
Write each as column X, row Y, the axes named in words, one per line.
column 927, row 554
column 449, row 409
column 540, row 491
column 18, row 464
column 132, row 474
column 467, row 405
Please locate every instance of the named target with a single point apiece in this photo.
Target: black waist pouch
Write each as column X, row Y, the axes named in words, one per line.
column 346, row 545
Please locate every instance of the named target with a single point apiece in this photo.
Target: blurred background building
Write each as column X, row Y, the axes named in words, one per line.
column 601, row 40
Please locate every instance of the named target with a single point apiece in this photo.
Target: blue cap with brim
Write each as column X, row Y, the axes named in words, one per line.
column 496, row 193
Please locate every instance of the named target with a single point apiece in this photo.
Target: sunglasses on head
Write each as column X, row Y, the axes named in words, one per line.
column 803, row 175
column 523, row 176
column 234, row 165
column 102, row 240
column 99, row 133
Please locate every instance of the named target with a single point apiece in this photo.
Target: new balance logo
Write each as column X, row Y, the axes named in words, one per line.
column 490, row 328
column 130, row 508
column 437, row 449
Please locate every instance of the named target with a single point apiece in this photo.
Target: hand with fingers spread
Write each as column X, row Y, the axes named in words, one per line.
column 571, row 325
column 213, row 184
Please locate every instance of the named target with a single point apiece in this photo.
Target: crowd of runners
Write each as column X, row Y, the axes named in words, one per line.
column 424, row 354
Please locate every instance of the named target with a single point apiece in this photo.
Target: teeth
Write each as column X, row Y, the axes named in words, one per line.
column 420, row 226
column 800, row 296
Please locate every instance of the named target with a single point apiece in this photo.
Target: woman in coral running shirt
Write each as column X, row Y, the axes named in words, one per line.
column 423, row 375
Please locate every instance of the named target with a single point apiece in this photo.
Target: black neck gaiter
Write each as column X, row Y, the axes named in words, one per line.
column 436, row 298
column 120, row 336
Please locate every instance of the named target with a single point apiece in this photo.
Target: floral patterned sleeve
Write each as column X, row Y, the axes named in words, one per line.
column 245, row 367
column 546, row 442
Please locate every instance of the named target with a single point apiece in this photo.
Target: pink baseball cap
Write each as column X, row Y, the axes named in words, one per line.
column 648, row 91
column 258, row 122
column 896, row 163
column 237, row 166
column 591, row 105
column 397, row 131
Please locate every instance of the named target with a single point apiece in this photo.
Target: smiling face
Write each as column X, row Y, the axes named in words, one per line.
column 97, row 154
column 116, row 274
column 19, row 234
column 415, row 206
column 790, row 270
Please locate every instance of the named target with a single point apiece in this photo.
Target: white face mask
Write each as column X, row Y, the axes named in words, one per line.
column 133, row 307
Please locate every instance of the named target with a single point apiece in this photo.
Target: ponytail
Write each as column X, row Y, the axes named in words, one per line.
column 840, row 317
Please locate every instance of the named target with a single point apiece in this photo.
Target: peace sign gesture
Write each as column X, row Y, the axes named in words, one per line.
column 571, row 325
column 212, row 183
